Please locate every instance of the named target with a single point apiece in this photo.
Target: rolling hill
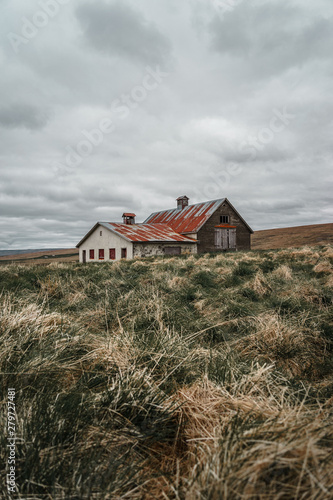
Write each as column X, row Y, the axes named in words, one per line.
column 288, row 237
column 42, row 256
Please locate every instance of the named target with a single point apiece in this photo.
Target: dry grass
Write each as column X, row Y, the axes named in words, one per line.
column 283, row 272
column 195, row 378
column 316, row 234
column 295, row 348
column 323, row 267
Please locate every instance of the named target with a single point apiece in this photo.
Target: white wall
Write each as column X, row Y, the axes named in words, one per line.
column 106, row 241
column 194, row 236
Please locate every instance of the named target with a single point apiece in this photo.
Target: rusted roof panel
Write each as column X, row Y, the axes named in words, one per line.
column 188, row 220
column 147, row 232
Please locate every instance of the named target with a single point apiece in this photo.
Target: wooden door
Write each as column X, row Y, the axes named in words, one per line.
column 124, row 253
column 84, row 256
column 225, row 238
column 218, row 238
column 221, row 238
column 232, row 238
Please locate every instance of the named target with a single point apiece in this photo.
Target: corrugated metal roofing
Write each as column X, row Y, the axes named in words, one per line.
column 188, row 220
column 147, row 232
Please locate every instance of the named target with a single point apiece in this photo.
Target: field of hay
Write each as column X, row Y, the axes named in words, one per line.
column 188, row 378
column 288, row 237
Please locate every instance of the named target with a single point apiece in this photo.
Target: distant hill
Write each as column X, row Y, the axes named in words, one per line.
column 287, row 237
column 37, row 256
column 3, row 253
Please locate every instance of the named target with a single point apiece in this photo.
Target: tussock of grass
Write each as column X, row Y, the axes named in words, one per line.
column 323, row 267
column 200, row 377
column 300, row 351
column 283, row 272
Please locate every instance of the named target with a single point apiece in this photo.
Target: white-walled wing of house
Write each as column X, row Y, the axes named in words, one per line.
column 108, row 241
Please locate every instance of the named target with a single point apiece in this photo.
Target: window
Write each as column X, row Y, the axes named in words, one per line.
column 101, row 233
column 124, row 253
column 112, row 253
column 91, row 254
column 224, row 219
column 101, row 254
column 172, row 250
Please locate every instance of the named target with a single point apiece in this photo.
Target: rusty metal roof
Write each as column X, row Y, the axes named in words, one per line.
column 188, row 220
column 167, row 224
column 147, row 232
column 191, row 218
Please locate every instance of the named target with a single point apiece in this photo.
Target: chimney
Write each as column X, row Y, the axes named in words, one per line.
column 182, row 202
column 128, row 218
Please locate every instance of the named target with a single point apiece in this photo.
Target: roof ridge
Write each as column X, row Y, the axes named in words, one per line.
column 187, row 206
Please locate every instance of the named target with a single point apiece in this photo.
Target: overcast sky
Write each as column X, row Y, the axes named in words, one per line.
column 111, row 106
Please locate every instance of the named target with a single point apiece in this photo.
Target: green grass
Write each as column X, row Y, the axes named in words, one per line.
column 201, row 377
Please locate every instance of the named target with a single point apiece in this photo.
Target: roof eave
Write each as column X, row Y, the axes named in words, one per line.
column 239, row 215
column 166, row 241
column 88, row 234
column 108, row 227
column 113, row 230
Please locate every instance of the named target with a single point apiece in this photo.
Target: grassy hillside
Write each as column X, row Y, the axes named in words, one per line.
column 287, row 237
column 203, row 377
column 42, row 257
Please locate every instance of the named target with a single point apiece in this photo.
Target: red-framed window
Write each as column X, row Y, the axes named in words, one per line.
column 112, row 253
column 101, row 254
column 91, row 254
column 124, row 253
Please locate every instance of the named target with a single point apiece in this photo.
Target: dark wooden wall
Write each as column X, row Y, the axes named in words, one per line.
column 206, row 233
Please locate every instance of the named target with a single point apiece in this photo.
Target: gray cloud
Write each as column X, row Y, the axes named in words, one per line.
column 271, row 38
column 227, row 77
column 120, row 30
column 23, row 115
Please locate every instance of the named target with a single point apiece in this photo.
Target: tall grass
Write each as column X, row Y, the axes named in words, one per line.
column 204, row 377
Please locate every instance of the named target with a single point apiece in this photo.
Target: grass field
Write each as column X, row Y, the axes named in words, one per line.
column 192, row 378
column 42, row 257
column 286, row 237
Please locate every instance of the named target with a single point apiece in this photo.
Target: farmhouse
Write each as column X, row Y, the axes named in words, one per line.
column 212, row 226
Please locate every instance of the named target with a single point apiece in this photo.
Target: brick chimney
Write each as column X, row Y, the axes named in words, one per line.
column 182, row 202
column 128, row 218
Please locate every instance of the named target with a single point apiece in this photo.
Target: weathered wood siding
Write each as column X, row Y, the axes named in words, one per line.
column 206, row 235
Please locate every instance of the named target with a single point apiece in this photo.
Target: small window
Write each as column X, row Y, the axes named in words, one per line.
column 124, row 253
column 172, row 251
column 112, row 253
column 91, row 254
column 101, row 233
column 224, row 219
column 101, row 254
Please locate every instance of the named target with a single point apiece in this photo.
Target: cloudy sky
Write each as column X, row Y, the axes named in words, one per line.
column 123, row 105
